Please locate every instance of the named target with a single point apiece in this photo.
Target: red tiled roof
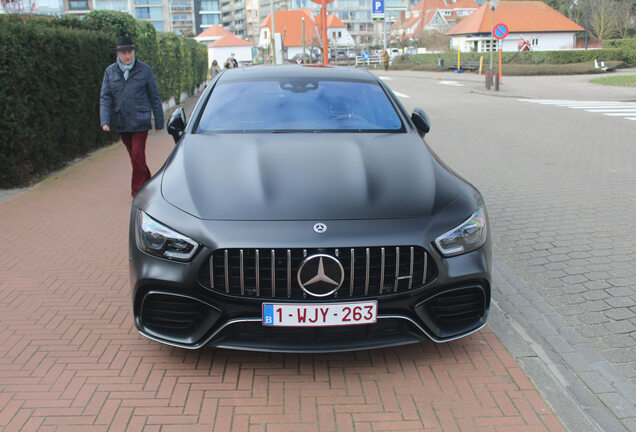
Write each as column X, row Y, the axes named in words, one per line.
column 290, row 22
column 230, row 41
column 215, row 31
column 519, row 16
column 332, row 21
column 427, row 9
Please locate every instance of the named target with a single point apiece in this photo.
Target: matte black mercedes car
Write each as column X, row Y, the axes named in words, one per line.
column 302, row 210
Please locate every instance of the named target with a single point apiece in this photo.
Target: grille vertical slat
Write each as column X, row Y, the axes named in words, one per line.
column 397, row 269
column 289, row 279
column 227, row 271
column 412, row 253
column 425, row 272
column 212, row 271
column 273, row 267
column 382, row 264
column 243, row 272
column 353, row 271
column 367, row 268
column 257, row 267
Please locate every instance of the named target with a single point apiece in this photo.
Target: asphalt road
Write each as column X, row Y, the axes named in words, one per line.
column 560, row 186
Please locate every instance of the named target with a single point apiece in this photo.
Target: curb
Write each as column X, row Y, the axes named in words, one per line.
column 563, row 368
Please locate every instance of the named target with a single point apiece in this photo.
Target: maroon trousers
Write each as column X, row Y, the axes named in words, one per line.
column 135, row 143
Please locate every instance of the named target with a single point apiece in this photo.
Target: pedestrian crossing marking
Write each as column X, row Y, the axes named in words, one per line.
column 627, row 110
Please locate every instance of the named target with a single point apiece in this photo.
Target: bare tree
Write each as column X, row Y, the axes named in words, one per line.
column 603, row 19
column 623, row 14
column 432, row 40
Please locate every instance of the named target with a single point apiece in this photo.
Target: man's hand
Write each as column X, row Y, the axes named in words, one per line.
column 158, row 130
column 106, row 128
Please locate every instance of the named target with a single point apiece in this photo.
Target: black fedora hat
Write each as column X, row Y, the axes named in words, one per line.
column 125, row 43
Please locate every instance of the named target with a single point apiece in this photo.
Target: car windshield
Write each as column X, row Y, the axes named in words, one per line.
column 299, row 105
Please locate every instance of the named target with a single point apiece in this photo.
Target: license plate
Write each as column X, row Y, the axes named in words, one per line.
column 319, row 315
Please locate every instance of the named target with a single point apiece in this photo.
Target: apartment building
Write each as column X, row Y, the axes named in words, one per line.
column 241, row 18
column 176, row 16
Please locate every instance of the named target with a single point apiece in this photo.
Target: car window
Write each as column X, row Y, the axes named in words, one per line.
column 299, row 105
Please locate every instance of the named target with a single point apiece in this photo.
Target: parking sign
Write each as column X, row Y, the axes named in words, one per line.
column 378, row 10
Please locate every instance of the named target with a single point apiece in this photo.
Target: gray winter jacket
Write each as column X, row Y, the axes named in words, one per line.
column 128, row 102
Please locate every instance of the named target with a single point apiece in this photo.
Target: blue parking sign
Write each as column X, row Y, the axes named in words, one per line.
column 378, row 8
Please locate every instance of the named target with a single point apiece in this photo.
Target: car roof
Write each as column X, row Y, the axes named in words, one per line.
column 257, row 73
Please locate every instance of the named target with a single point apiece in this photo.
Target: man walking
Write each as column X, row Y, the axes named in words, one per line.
column 129, row 93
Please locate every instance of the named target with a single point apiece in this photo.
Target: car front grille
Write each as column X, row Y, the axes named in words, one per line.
column 272, row 273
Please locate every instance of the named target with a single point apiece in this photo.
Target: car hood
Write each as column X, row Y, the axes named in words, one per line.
column 306, row 176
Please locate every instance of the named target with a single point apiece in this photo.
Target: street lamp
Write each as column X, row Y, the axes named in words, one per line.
column 492, row 4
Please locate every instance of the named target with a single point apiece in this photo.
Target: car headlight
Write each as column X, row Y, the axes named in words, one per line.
column 467, row 237
column 159, row 240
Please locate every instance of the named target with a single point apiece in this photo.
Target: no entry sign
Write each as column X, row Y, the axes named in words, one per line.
column 500, row 31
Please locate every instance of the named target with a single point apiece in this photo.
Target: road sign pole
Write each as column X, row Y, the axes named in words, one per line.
column 325, row 41
column 499, row 31
column 500, row 62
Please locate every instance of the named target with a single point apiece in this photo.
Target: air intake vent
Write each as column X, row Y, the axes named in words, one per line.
column 452, row 312
column 272, row 273
column 176, row 318
column 457, row 306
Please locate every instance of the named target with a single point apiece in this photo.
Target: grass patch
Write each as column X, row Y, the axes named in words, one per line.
column 617, row 80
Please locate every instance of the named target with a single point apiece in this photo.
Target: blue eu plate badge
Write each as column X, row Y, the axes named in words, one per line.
column 268, row 314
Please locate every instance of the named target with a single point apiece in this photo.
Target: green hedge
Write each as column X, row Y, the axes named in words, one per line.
column 51, row 71
column 526, row 57
column 50, row 79
column 628, row 46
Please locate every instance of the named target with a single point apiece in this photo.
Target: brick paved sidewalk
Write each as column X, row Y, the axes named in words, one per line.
column 70, row 359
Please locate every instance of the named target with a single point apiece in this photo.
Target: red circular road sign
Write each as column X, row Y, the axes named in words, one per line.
column 500, row 31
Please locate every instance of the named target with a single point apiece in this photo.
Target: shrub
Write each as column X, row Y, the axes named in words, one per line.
column 50, row 78
column 51, row 72
column 526, row 57
column 117, row 23
column 628, row 46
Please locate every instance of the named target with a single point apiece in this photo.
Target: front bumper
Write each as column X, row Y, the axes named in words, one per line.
column 172, row 306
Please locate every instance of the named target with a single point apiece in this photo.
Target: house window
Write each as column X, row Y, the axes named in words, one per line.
column 148, row 13
column 142, row 13
column 210, row 5
column 535, row 41
column 210, row 19
column 78, row 5
column 111, row 5
column 488, row 46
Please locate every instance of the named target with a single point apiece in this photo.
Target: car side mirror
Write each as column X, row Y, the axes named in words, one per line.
column 177, row 124
column 421, row 121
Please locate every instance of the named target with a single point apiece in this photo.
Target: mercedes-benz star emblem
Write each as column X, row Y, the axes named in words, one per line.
column 320, row 275
column 320, row 228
